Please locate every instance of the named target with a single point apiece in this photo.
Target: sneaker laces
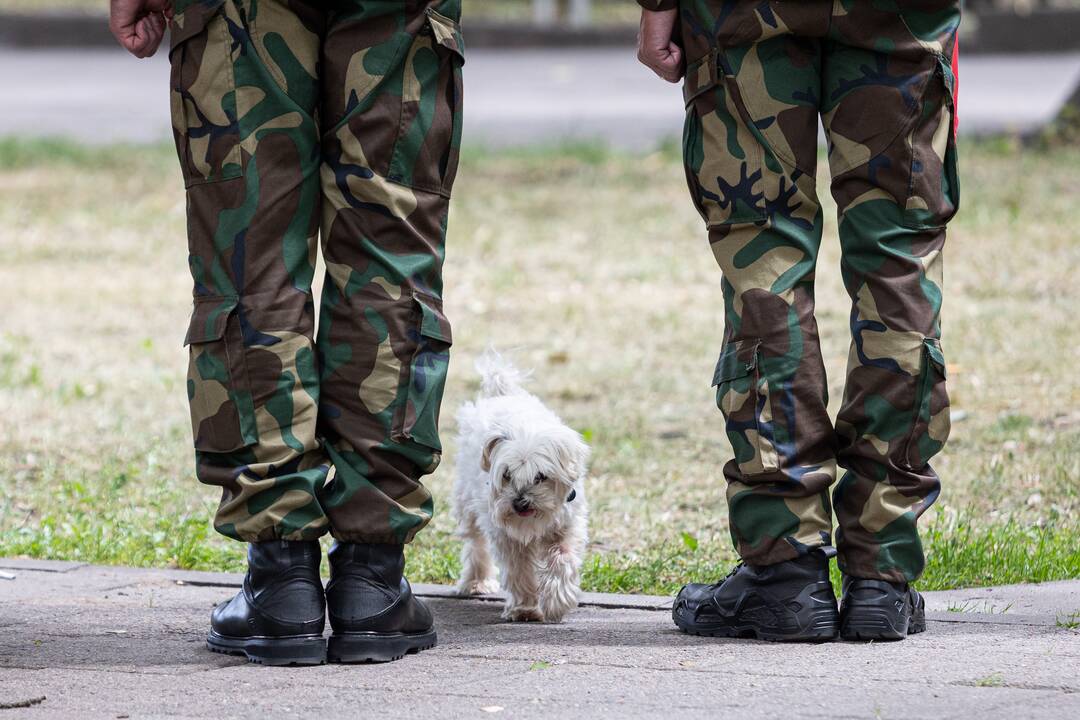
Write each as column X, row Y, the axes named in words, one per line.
column 739, row 566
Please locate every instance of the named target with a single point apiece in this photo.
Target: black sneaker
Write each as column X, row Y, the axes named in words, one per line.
column 374, row 615
column 277, row 618
column 791, row 601
column 880, row 610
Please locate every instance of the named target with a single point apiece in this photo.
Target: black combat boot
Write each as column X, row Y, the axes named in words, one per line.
column 279, row 615
column 791, row 601
column 880, row 610
column 373, row 613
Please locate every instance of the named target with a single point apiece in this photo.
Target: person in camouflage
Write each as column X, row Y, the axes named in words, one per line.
column 881, row 76
column 295, row 121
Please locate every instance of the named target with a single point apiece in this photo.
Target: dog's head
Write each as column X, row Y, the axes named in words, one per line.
column 531, row 476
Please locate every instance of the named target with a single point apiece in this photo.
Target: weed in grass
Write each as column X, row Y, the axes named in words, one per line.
column 976, row 606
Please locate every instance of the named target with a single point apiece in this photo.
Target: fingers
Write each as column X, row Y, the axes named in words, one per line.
column 673, row 64
column 666, row 62
column 143, row 37
column 140, row 34
column 156, row 33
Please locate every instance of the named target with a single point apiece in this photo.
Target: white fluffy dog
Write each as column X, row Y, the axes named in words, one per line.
column 519, row 497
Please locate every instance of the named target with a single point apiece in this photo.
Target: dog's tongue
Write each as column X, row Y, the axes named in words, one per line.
column 525, row 513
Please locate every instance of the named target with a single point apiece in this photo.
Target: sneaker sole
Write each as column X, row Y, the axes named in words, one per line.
column 876, row 624
column 294, row 650
column 823, row 626
column 373, row 647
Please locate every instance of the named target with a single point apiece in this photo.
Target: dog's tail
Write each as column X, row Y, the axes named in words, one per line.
column 498, row 376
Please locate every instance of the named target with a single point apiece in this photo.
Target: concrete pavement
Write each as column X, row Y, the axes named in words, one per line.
column 80, row 641
column 514, row 97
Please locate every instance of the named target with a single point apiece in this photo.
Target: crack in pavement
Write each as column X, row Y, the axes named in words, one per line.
column 754, row 674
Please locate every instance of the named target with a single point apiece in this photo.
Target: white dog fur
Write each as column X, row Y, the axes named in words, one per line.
column 511, row 448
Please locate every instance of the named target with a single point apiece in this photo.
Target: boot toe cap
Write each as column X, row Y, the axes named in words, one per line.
column 694, row 602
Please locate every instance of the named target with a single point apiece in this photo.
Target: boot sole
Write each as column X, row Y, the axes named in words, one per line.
column 821, row 626
column 373, row 647
column 293, row 650
column 871, row 623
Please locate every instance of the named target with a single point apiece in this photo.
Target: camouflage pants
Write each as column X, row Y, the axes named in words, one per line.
column 879, row 75
column 295, row 121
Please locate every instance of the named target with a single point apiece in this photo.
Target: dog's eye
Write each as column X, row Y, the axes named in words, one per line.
column 506, row 476
column 541, row 478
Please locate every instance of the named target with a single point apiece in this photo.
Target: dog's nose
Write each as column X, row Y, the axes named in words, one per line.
column 521, row 505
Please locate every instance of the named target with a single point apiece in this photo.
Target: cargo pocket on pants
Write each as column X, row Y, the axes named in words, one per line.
column 742, row 394
column 203, row 95
column 428, row 145
column 418, row 418
column 722, row 157
column 930, row 423
column 934, row 185
column 219, row 393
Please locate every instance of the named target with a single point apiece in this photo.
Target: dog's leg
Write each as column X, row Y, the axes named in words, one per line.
column 518, row 565
column 477, row 569
column 560, row 577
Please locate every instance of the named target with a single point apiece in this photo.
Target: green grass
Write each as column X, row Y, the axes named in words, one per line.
column 972, row 606
column 111, row 517
column 566, row 254
column 959, row 554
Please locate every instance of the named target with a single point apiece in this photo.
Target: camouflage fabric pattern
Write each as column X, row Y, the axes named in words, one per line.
column 878, row 73
column 295, row 122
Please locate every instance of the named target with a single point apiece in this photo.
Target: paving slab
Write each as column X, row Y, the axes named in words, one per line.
column 84, row 641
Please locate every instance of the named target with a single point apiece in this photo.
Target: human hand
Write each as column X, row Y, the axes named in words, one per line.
column 139, row 25
column 657, row 48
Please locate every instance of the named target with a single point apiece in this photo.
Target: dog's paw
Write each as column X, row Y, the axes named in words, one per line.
column 555, row 607
column 522, row 614
column 478, row 587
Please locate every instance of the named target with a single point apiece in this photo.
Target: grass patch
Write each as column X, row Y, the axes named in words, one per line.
column 962, row 553
column 97, row 525
column 111, row 518
column 992, row 680
column 568, row 255
column 973, row 606
column 18, row 153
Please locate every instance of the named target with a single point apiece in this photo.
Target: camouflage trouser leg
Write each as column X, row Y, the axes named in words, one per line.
column 896, row 186
column 880, row 79
column 262, row 90
column 392, row 113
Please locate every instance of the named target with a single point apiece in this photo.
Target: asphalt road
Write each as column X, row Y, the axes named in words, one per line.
column 512, row 98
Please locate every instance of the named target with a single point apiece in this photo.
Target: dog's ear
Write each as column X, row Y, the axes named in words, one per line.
column 573, row 453
column 489, row 448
